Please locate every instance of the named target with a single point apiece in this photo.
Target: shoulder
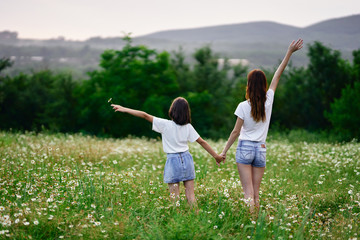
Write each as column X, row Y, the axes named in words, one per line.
column 243, row 104
column 157, row 119
column 242, row 108
column 161, row 122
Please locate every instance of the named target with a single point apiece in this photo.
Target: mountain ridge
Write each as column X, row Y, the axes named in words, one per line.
column 261, row 43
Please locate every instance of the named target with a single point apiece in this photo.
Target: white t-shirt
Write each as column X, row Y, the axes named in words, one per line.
column 251, row 130
column 175, row 137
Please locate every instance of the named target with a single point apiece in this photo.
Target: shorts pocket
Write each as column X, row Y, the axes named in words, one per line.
column 246, row 153
column 263, row 156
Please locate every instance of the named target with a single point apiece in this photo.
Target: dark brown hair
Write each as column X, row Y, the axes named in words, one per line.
column 180, row 111
column 256, row 94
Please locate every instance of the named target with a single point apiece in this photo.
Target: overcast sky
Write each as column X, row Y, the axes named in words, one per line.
column 81, row 19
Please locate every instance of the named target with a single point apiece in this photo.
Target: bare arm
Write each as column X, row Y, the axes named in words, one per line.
column 133, row 112
column 209, row 149
column 233, row 135
column 294, row 46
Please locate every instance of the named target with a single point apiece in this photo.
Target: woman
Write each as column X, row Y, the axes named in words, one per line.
column 252, row 124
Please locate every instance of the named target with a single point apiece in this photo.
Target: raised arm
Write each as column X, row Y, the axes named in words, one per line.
column 209, row 149
column 133, row 112
column 233, row 135
column 294, row 46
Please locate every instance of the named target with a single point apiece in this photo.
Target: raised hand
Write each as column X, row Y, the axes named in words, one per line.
column 294, row 46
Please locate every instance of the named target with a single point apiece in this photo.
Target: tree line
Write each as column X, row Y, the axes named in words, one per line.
column 324, row 95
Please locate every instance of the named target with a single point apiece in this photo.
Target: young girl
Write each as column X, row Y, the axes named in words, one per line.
column 252, row 124
column 176, row 133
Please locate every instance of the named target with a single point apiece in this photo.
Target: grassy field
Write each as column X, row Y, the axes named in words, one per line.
column 55, row 186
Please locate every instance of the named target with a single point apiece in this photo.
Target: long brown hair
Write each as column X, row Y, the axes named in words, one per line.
column 256, row 94
column 180, row 111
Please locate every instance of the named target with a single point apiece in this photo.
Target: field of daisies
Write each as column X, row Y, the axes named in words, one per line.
column 58, row 186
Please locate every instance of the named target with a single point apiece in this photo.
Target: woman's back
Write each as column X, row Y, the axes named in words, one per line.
column 252, row 130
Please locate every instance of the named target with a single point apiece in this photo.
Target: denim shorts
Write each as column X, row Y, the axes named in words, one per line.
column 179, row 167
column 251, row 153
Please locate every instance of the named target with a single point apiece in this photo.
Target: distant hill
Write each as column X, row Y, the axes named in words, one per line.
column 346, row 25
column 245, row 32
column 342, row 33
column 260, row 43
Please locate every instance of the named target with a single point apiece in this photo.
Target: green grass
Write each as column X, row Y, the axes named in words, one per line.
column 55, row 186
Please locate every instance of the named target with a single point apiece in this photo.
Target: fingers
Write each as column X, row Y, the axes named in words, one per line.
column 299, row 43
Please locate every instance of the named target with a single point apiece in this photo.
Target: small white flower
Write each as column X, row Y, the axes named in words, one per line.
column 115, row 162
column 350, row 192
column 26, row 223
column 215, row 227
column 36, row 222
column 2, row 208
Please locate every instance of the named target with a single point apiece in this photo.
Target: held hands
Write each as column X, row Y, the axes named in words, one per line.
column 294, row 46
column 223, row 155
column 220, row 158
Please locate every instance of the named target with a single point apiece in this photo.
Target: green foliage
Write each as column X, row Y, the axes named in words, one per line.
column 42, row 100
column 135, row 77
column 345, row 112
column 142, row 78
column 305, row 95
column 328, row 74
column 5, row 63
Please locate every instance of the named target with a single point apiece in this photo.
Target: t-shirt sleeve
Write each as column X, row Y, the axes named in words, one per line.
column 193, row 135
column 240, row 111
column 159, row 124
column 270, row 96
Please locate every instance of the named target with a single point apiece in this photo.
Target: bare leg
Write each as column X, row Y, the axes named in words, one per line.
column 189, row 191
column 245, row 172
column 174, row 190
column 257, row 175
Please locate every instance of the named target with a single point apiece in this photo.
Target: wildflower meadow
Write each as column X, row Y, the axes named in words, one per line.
column 62, row 186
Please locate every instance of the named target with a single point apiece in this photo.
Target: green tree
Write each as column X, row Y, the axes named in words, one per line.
column 211, row 93
column 345, row 110
column 37, row 101
column 328, row 75
column 136, row 77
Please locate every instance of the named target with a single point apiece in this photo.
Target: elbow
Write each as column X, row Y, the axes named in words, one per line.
column 235, row 133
